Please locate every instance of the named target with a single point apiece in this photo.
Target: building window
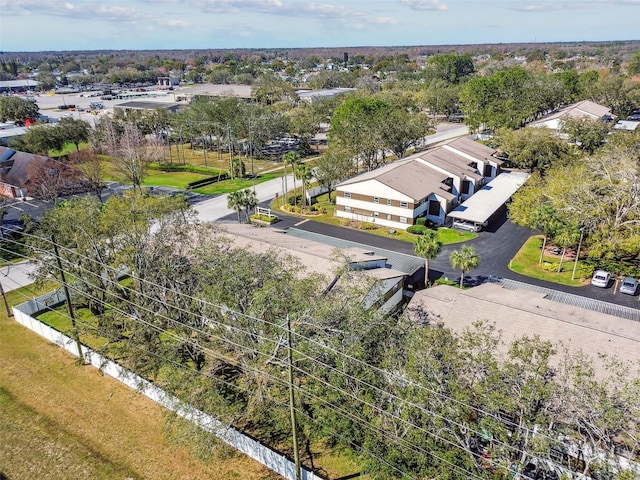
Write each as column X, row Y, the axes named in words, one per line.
column 376, row 214
column 466, row 187
column 403, row 219
column 376, row 200
column 347, row 209
column 404, row 204
column 347, row 194
column 388, row 216
column 487, row 170
column 434, row 208
column 389, row 201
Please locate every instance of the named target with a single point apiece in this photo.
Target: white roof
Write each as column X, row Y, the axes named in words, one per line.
column 18, row 83
column 490, row 198
column 626, row 125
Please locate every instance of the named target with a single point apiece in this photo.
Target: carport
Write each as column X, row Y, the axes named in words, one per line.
column 484, row 203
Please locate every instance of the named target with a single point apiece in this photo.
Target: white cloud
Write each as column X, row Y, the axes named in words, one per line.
column 435, row 5
column 544, row 6
column 280, row 8
column 176, row 23
column 81, row 10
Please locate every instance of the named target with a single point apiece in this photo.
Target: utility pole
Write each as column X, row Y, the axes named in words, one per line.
column 6, row 304
column 230, row 152
column 575, row 263
column 68, row 298
column 294, row 426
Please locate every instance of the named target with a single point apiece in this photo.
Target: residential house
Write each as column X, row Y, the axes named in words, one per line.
column 585, row 109
column 426, row 184
column 25, row 174
column 382, row 276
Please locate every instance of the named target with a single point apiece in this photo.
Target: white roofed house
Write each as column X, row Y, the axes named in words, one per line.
column 426, row 184
column 584, row 109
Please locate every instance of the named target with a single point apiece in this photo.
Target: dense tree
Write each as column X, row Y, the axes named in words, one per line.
column 441, row 99
column 451, row 67
column 42, row 138
column 17, row 109
column 633, row 68
column 73, row 130
column 304, row 122
column 531, row 148
column 332, row 167
column 604, row 202
column 270, row 90
column 357, row 128
column 508, row 98
column 588, row 134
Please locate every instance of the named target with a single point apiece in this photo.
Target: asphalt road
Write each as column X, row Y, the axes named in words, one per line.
column 16, row 275
column 496, row 246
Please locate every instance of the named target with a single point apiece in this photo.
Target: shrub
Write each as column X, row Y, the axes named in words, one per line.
column 550, row 266
column 417, row 229
column 367, row 226
column 185, row 168
column 421, row 220
column 264, row 218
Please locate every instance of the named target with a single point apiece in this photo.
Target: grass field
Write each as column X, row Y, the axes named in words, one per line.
column 526, row 262
column 59, row 420
column 66, row 421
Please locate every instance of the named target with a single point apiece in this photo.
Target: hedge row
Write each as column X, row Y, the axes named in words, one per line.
column 185, row 168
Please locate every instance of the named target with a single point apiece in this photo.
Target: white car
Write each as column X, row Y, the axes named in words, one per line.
column 601, row 279
column 464, row 225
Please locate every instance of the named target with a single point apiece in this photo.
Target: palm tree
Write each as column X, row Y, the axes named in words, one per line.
column 293, row 159
column 235, row 202
column 465, row 259
column 303, row 172
column 249, row 200
column 427, row 246
column 566, row 237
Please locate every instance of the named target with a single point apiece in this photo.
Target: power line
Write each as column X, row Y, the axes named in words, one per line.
column 502, row 420
column 239, row 313
column 234, row 386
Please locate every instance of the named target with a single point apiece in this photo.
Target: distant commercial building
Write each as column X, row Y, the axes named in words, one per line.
column 18, row 85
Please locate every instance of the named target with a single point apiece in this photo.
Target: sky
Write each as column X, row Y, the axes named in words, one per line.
column 37, row 25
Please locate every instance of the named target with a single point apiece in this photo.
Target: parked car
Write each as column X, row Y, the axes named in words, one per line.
column 601, row 279
column 629, row 286
column 468, row 226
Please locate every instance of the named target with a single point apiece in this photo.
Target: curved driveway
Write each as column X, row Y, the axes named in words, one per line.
column 496, row 247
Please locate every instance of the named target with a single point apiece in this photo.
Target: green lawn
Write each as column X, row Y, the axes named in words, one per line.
column 178, row 180
column 67, row 149
column 227, row 186
column 526, row 263
column 85, row 321
column 446, row 236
